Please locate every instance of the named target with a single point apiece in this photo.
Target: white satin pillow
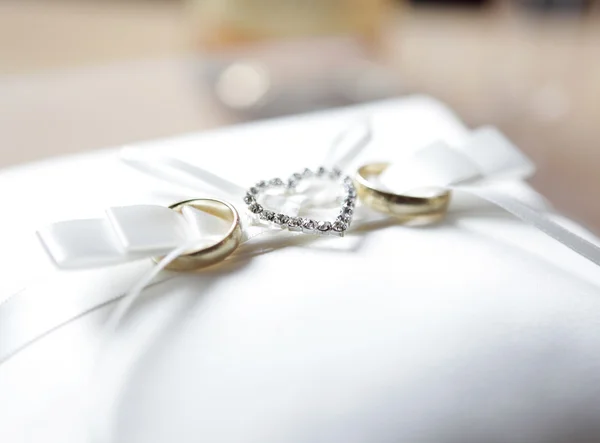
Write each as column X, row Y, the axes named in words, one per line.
column 480, row 328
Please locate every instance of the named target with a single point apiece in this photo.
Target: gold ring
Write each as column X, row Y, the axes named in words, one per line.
column 208, row 256
column 402, row 206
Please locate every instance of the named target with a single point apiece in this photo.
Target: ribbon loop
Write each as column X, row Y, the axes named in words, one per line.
column 127, row 233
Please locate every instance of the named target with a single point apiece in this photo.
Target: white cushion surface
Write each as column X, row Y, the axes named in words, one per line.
column 477, row 329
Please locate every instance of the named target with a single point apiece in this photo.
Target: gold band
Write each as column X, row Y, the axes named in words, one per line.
column 402, row 206
column 217, row 252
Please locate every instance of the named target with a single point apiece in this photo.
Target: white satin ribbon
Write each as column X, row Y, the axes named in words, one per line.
column 37, row 310
column 477, row 167
column 530, row 216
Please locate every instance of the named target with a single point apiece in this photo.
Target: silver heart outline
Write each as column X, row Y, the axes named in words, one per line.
column 338, row 227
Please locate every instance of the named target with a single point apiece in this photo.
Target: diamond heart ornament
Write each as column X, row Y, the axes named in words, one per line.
column 254, row 199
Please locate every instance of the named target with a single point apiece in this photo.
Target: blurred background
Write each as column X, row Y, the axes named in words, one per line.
column 77, row 75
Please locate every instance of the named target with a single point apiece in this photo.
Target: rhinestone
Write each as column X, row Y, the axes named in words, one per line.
column 345, row 218
column 261, row 184
column 276, row 182
column 321, row 171
column 340, row 226
column 253, row 190
column 291, row 184
column 310, row 224
column 335, row 173
column 348, row 203
column 297, row 176
column 249, row 199
column 294, row 222
column 324, row 226
column 267, row 215
column 255, row 208
column 347, row 210
column 307, row 172
column 281, row 219
column 348, row 181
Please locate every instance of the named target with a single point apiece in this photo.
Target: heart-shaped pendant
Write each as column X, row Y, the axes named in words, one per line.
column 336, row 227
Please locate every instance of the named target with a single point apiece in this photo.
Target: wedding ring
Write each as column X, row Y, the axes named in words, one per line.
column 398, row 205
column 217, row 252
